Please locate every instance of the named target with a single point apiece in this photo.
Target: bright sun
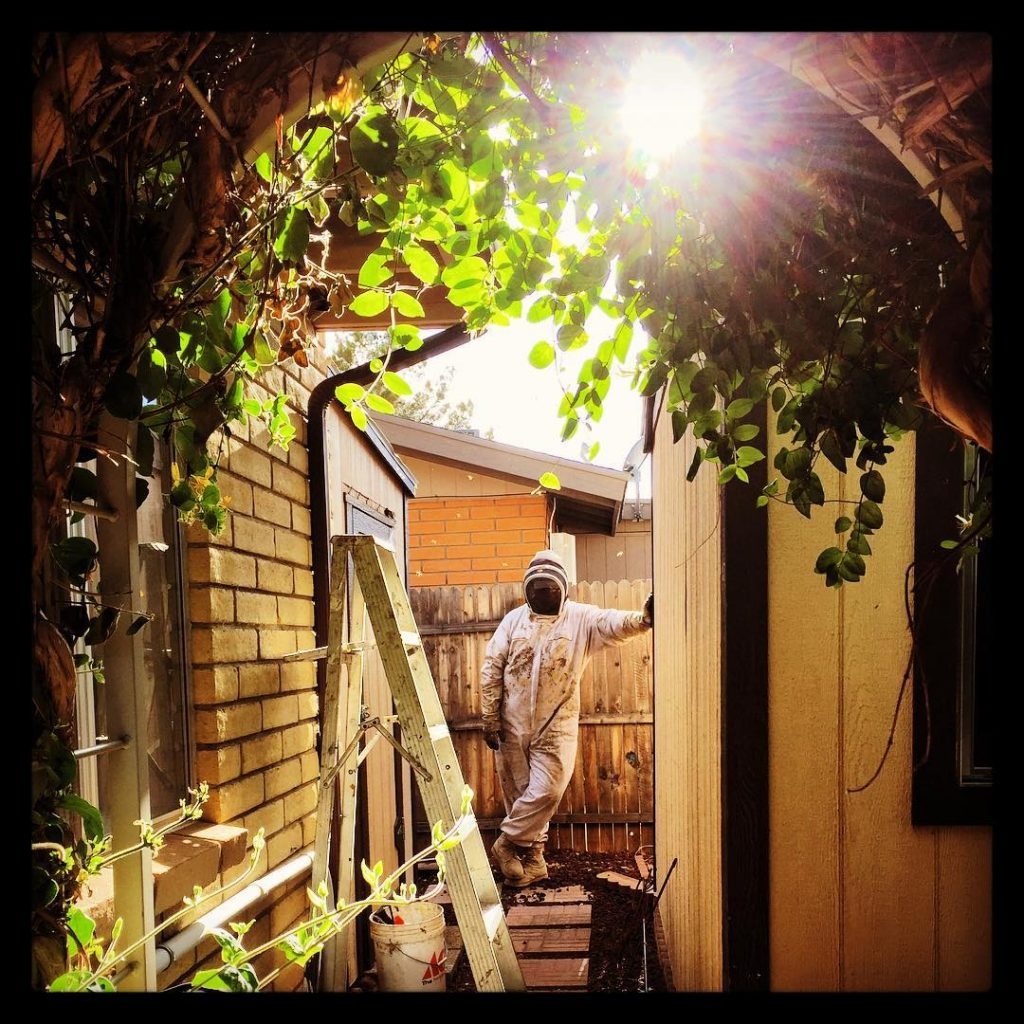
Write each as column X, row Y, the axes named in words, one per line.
column 661, row 106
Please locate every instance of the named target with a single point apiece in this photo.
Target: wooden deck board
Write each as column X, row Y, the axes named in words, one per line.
column 562, row 915
column 527, row 941
column 617, row 878
column 564, row 894
column 561, row 973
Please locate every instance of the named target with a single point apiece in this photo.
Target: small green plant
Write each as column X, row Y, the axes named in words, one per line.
column 93, row 967
column 78, row 862
column 64, row 866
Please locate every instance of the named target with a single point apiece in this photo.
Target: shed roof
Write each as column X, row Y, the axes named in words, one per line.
column 590, row 498
column 379, row 441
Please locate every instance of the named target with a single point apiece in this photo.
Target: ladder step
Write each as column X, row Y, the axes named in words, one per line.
column 411, row 641
column 319, row 653
column 439, row 732
column 494, row 915
column 310, row 654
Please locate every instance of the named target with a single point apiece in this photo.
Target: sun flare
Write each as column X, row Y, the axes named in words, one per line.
column 662, row 106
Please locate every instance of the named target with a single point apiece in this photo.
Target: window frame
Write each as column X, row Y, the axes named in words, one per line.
column 939, row 794
column 118, row 531
column 179, row 584
column 124, row 666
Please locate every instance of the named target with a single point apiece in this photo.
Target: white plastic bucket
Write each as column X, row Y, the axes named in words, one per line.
column 410, row 955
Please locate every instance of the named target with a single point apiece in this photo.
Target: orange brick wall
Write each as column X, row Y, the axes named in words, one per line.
column 474, row 540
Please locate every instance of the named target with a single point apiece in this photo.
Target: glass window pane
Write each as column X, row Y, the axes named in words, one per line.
column 160, row 597
column 976, row 741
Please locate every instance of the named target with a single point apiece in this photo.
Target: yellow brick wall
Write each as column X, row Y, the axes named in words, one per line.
column 250, row 594
column 474, row 540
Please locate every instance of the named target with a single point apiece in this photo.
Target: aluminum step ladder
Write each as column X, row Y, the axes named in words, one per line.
column 377, row 587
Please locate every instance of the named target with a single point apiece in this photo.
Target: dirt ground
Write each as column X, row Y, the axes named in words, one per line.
column 620, row 960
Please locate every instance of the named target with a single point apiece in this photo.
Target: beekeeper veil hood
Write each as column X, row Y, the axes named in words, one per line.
column 543, row 577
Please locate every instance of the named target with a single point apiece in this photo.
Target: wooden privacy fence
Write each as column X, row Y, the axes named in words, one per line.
column 609, row 803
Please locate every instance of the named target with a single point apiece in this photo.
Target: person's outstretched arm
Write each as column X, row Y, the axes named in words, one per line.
column 610, row 626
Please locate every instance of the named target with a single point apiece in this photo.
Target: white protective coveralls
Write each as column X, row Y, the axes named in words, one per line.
column 531, row 685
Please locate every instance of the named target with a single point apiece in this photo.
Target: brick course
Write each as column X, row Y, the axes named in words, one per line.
column 215, row 685
column 263, row 750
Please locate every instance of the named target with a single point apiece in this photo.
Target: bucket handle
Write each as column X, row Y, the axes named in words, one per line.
column 416, row 959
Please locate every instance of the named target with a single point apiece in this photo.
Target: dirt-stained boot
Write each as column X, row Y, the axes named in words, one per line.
column 534, row 866
column 506, row 856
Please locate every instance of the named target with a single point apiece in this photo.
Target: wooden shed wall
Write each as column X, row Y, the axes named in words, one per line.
column 687, row 711
column 357, row 474
column 859, row 899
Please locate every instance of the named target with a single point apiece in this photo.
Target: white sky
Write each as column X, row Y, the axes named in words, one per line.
column 520, row 403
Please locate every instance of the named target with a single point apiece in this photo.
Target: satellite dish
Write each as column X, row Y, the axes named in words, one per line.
column 635, row 458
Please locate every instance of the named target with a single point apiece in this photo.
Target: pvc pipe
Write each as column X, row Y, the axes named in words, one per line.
column 188, row 938
column 102, row 748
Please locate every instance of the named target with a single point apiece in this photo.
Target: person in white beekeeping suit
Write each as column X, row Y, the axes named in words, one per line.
column 531, row 704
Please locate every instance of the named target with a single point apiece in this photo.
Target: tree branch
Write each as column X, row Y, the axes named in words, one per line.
column 201, row 101
column 497, row 50
column 110, row 453
column 211, row 382
column 48, row 262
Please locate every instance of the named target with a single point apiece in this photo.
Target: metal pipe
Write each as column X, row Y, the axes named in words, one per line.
column 102, row 748
column 99, row 511
column 187, row 939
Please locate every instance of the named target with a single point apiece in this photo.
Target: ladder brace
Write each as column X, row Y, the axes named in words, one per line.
column 374, row 723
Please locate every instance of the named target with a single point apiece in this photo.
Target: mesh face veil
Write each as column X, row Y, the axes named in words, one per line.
column 545, row 571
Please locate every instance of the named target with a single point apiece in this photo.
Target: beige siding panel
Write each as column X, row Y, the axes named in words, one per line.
column 687, row 711
column 591, row 557
column 889, row 880
column 859, row 899
column 965, row 909
column 436, row 479
column 638, row 552
column 805, row 684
